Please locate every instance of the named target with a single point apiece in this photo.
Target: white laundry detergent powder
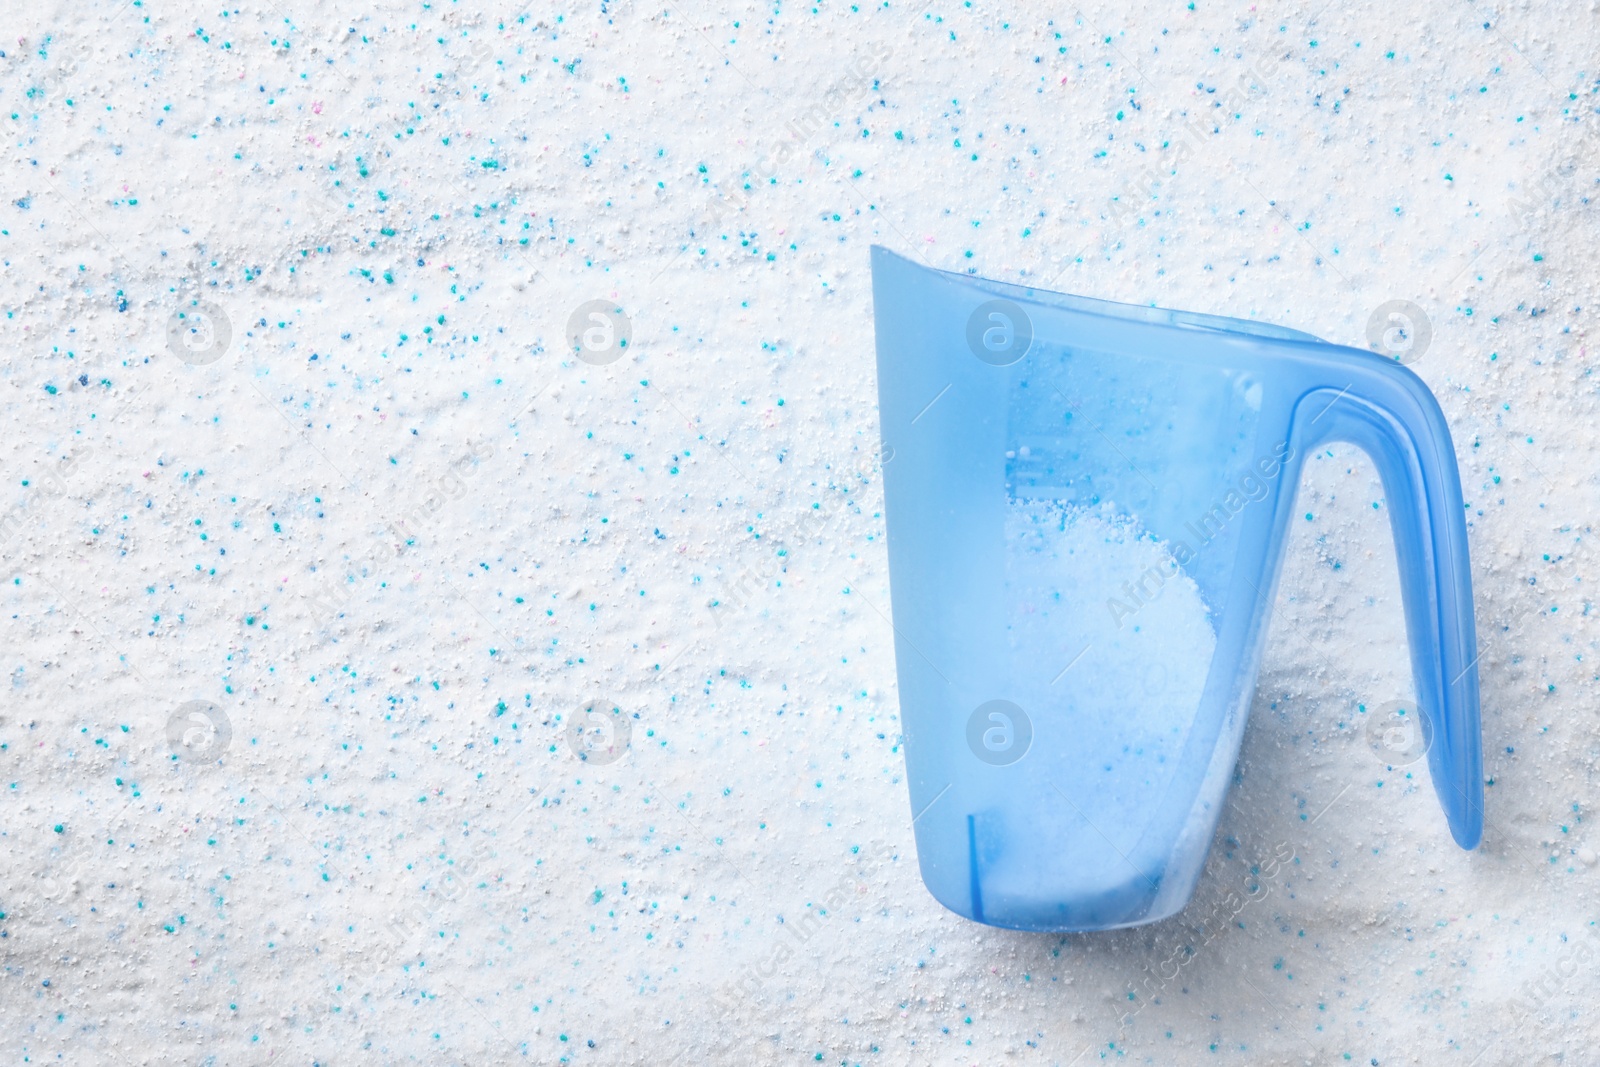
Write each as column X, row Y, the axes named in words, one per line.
column 1112, row 643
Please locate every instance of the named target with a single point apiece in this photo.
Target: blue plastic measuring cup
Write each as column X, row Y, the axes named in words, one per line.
column 1086, row 507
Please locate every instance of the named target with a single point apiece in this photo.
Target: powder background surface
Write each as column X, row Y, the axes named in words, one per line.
column 401, row 537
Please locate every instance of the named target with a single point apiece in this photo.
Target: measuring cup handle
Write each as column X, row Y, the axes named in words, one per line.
column 1387, row 411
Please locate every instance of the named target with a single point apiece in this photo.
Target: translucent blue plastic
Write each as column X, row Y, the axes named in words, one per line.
column 1086, row 507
